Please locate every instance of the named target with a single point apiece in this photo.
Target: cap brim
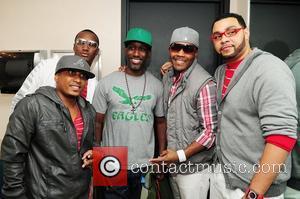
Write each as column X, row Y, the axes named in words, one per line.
column 88, row 74
column 128, row 41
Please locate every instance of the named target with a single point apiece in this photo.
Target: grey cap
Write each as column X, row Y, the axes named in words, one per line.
column 185, row 34
column 74, row 62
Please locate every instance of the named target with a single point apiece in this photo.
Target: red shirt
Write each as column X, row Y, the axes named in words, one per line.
column 229, row 72
column 79, row 126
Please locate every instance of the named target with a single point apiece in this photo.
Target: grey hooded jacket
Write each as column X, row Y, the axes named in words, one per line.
column 39, row 149
column 293, row 61
column 259, row 101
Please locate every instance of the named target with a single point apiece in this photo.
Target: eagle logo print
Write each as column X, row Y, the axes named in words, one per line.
column 126, row 99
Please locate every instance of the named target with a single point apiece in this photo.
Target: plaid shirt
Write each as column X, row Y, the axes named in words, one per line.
column 207, row 103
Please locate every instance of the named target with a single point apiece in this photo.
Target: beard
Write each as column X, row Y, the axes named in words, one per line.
column 135, row 67
column 236, row 51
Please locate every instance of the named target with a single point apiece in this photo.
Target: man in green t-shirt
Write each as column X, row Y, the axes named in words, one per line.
column 129, row 108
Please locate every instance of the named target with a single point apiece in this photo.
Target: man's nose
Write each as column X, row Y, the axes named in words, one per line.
column 136, row 52
column 85, row 47
column 224, row 38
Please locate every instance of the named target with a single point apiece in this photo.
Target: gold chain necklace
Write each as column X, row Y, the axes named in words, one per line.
column 133, row 107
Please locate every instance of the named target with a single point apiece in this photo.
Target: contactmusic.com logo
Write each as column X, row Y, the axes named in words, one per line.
column 110, row 166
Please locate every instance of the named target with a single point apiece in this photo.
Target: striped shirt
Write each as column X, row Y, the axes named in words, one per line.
column 229, row 72
column 176, row 82
column 79, row 126
column 207, row 103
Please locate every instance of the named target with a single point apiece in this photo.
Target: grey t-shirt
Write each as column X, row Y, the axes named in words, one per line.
column 122, row 127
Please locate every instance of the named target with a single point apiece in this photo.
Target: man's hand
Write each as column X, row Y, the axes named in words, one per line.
column 87, row 159
column 274, row 157
column 165, row 67
column 167, row 156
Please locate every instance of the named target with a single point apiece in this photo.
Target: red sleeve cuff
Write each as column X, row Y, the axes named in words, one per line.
column 281, row 141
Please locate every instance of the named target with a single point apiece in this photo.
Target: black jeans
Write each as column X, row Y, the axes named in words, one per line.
column 131, row 191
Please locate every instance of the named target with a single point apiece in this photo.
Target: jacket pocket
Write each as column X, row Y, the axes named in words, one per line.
column 50, row 131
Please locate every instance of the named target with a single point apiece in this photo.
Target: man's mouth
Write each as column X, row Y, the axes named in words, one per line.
column 225, row 47
column 84, row 55
column 179, row 61
column 75, row 87
column 136, row 61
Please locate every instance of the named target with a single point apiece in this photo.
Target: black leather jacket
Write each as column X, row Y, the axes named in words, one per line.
column 39, row 149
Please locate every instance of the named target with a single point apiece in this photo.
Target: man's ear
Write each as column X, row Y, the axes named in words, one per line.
column 247, row 34
column 56, row 78
column 149, row 54
column 196, row 54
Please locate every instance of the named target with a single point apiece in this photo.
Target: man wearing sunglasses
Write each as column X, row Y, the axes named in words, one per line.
column 257, row 116
column 86, row 45
column 190, row 107
column 49, row 138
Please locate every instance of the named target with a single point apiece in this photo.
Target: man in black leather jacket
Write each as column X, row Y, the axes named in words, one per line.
column 49, row 138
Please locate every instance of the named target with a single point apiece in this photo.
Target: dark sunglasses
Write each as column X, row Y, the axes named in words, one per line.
column 74, row 73
column 185, row 47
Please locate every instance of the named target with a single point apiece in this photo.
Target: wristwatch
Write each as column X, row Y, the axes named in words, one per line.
column 250, row 194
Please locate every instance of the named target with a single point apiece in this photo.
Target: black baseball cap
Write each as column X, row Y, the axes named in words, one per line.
column 74, row 62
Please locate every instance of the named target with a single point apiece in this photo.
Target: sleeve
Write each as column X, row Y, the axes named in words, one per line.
column 100, row 98
column 14, row 149
column 274, row 95
column 159, row 107
column 30, row 85
column 281, row 141
column 207, row 112
column 92, row 83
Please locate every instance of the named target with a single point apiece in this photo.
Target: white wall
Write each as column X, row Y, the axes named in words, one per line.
column 53, row 24
column 241, row 7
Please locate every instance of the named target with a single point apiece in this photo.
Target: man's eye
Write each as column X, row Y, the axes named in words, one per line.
column 71, row 73
column 93, row 45
column 83, row 76
column 131, row 48
column 217, row 36
column 230, row 32
column 82, row 42
column 142, row 49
